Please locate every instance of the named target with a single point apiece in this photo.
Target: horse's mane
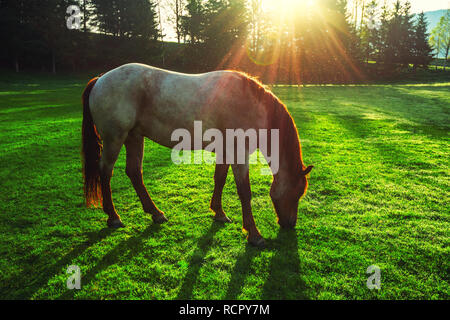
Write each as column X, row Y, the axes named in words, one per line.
column 278, row 118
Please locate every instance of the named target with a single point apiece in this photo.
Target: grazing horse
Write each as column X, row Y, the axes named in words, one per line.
column 135, row 101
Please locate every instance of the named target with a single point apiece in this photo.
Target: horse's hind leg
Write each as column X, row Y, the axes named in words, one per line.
column 220, row 177
column 110, row 152
column 135, row 151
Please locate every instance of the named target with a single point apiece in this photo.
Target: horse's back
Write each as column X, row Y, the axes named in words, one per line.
column 154, row 102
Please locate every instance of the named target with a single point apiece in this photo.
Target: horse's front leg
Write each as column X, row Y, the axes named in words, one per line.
column 220, row 177
column 241, row 176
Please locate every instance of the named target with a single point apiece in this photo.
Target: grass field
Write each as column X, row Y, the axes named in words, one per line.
column 378, row 196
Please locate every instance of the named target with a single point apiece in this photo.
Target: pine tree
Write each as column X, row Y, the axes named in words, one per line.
column 52, row 27
column 194, row 21
column 407, row 33
column 396, row 43
column 225, row 28
column 422, row 49
column 16, row 19
column 127, row 19
column 370, row 31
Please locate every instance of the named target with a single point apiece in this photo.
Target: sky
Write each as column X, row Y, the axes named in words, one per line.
column 416, row 5
column 428, row 5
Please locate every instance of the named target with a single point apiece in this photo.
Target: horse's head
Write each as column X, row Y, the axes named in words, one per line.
column 285, row 197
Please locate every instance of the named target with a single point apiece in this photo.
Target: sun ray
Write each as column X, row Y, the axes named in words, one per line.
column 303, row 40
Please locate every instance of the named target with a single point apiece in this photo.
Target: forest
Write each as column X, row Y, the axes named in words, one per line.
column 315, row 41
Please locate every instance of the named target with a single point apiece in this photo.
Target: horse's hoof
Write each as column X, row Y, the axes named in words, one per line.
column 160, row 218
column 116, row 223
column 257, row 242
column 223, row 218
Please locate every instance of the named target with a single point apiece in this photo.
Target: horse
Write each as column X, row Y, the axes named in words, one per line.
column 137, row 101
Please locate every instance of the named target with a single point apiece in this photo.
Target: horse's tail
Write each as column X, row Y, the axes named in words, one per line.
column 91, row 152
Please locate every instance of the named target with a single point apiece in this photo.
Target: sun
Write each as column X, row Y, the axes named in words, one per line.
column 284, row 16
column 287, row 4
column 287, row 9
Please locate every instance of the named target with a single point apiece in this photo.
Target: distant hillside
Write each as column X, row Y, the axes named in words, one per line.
column 433, row 18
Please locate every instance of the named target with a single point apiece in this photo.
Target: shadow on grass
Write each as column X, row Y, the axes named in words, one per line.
column 240, row 271
column 41, row 277
column 284, row 280
column 196, row 260
column 389, row 153
column 430, row 120
column 125, row 250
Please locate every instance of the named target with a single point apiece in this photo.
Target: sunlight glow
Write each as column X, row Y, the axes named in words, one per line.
column 287, row 8
column 283, row 46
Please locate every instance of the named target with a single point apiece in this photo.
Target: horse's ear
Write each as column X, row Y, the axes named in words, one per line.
column 307, row 170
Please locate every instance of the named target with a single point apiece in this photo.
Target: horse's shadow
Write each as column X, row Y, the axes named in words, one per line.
column 195, row 262
column 284, row 281
column 42, row 276
column 125, row 250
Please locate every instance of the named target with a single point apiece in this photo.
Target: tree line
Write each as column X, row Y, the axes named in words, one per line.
column 35, row 34
column 326, row 42
column 440, row 38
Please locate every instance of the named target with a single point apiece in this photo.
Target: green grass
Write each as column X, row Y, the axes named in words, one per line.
column 378, row 196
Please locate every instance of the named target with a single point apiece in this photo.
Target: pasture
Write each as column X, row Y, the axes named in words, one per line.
column 378, row 195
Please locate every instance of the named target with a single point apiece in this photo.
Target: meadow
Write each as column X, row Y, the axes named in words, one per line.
column 378, row 195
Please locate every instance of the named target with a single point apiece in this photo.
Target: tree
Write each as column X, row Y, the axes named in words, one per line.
column 440, row 39
column 407, row 32
column 358, row 12
column 106, row 16
column 256, row 24
column 369, row 33
column 52, row 27
column 18, row 30
column 194, row 21
column 86, row 8
column 422, row 49
column 176, row 10
column 143, row 20
column 213, row 29
column 396, row 37
column 225, row 28
column 128, row 19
